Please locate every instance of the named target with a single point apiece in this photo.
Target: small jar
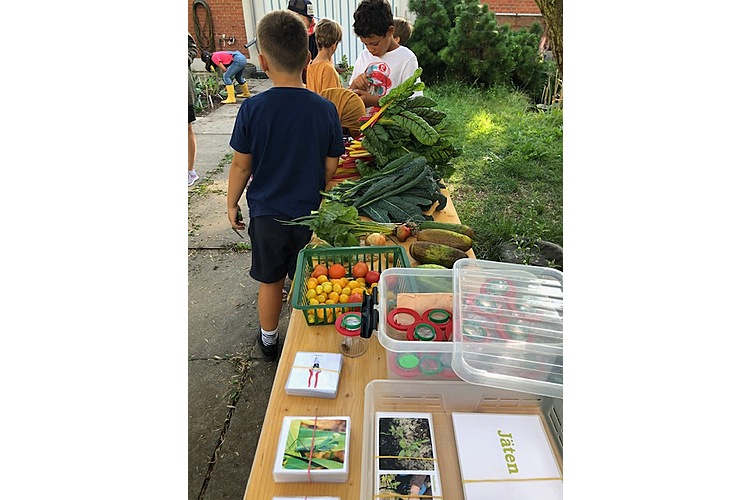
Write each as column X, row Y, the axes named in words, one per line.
column 348, row 325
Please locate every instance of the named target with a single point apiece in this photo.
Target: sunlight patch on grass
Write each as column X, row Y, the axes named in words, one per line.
column 481, row 125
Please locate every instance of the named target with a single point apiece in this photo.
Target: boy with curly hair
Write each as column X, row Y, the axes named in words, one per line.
column 383, row 64
column 289, row 139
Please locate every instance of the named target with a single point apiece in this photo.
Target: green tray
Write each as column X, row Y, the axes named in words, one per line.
column 377, row 259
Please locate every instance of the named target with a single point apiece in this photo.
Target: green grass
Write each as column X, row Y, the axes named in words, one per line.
column 507, row 184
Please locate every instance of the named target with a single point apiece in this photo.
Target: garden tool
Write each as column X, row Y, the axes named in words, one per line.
column 244, row 91
column 230, row 95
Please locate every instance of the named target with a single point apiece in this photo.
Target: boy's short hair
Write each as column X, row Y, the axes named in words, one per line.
column 327, row 32
column 372, row 17
column 282, row 39
column 402, row 30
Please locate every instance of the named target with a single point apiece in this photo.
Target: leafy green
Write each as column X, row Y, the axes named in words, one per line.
column 340, row 225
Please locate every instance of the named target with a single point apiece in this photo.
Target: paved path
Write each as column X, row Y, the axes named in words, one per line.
column 229, row 382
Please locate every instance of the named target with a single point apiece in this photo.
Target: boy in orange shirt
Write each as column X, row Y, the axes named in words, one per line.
column 321, row 73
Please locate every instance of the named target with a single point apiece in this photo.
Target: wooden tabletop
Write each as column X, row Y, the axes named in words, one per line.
column 356, row 373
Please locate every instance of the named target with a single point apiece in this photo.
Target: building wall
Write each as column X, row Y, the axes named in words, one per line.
column 517, row 13
column 227, row 19
column 515, row 6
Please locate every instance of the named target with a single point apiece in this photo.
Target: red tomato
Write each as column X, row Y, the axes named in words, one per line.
column 360, row 270
column 336, row 271
column 355, row 297
column 372, row 277
column 319, row 270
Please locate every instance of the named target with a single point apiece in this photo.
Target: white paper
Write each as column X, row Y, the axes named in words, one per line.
column 505, row 456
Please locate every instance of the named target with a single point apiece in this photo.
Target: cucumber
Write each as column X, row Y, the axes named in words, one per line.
column 445, row 237
column 459, row 228
column 426, row 252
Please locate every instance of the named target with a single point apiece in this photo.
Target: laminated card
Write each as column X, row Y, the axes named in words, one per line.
column 406, row 464
column 505, row 456
column 315, row 374
column 313, row 449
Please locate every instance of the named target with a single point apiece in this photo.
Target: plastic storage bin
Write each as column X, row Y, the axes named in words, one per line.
column 377, row 259
column 506, row 326
column 441, row 399
column 409, row 359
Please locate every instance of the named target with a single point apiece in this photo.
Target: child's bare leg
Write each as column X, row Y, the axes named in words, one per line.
column 269, row 305
column 192, row 147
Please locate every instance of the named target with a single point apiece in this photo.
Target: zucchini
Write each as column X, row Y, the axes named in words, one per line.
column 426, row 252
column 459, row 228
column 445, row 237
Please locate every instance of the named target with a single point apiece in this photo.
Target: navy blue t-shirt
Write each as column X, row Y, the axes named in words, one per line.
column 290, row 132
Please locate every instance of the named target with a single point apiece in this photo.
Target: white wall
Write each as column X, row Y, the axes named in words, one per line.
column 341, row 11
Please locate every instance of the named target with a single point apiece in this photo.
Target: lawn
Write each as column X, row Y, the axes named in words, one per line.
column 507, row 184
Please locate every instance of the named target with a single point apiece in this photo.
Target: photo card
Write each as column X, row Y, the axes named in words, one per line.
column 406, row 460
column 314, row 449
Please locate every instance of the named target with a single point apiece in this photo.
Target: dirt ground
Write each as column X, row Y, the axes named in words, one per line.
column 229, row 383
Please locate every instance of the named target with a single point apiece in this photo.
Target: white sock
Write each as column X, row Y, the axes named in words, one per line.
column 269, row 338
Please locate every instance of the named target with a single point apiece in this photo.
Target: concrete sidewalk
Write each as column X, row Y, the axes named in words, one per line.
column 228, row 381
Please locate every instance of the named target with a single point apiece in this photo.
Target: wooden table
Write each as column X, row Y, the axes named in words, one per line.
column 355, row 375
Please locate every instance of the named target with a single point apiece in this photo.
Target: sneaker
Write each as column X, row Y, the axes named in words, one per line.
column 270, row 352
column 192, row 177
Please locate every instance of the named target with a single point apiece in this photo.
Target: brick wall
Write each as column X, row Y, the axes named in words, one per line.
column 227, row 18
column 528, row 10
column 515, row 6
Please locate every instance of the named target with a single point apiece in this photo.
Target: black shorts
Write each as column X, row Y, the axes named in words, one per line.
column 191, row 113
column 275, row 248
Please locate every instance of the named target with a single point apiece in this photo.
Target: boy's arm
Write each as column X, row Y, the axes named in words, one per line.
column 332, row 163
column 239, row 174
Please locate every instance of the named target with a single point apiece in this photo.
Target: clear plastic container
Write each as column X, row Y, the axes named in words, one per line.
column 441, row 399
column 410, row 359
column 505, row 327
column 508, row 326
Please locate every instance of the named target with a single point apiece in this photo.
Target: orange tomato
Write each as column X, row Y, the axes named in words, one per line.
column 336, row 271
column 360, row 270
column 319, row 270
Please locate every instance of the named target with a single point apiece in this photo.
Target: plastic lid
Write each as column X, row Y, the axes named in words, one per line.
column 508, row 326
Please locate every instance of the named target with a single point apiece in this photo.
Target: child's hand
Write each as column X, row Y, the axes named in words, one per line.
column 235, row 218
column 360, row 83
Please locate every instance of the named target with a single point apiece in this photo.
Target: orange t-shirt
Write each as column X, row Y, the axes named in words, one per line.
column 322, row 75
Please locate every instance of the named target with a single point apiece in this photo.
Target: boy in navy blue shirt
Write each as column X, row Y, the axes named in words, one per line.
column 289, row 139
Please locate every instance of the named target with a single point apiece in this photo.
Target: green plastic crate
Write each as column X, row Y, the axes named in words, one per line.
column 377, row 259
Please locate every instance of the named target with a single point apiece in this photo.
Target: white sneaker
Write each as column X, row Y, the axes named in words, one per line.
column 192, row 177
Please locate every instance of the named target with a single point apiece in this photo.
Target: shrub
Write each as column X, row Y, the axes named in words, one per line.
column 460, row 40
column 474, row 54
column 530, row 72
column 433, row 24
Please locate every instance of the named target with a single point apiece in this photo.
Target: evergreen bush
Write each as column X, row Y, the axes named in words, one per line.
column 530, row 72
column 474, row 53
column 460, row 40
column 434, row 21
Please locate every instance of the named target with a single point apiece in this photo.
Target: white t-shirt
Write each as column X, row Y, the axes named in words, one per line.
column 386, row 72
